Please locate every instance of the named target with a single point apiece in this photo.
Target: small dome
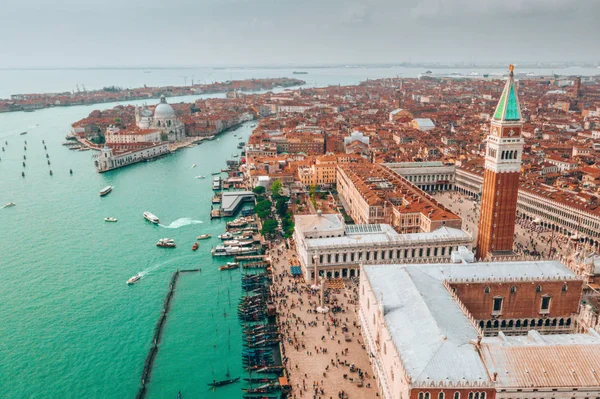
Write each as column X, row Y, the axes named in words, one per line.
column 146, row 112
column 164, row 110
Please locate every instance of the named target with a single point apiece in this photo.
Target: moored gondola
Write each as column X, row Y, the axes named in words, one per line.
column 216, row 383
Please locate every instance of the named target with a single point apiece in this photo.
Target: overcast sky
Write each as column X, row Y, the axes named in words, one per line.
column 83, row 33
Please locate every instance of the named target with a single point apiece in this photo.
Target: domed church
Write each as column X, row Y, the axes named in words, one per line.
column 163, row 119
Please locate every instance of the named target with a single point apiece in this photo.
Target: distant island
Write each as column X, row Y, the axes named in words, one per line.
column 31, row 102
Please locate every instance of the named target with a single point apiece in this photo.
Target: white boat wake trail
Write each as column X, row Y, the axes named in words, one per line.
column 150, row 269
column 181, row 222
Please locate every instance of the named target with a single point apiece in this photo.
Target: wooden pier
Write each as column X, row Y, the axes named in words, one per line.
column 256, row 265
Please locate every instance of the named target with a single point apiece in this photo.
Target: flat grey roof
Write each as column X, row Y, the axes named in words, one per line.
column 381, row 234
column 231, row 200
column 324, row 223
column 435, row 340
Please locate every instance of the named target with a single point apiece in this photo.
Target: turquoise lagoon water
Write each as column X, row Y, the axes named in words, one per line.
column 69, row 325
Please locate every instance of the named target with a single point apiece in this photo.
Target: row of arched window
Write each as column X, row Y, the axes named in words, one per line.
column 526, row 323
column 456, row 395
column 509, row 154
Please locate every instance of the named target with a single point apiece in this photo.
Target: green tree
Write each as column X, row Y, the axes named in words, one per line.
column 281, row 206
column 259, row 190
column 268, row 228
column 276, row 188
column 263, row 208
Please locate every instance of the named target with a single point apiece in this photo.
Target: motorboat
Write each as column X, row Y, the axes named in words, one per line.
column 134, row 279
column 215, row 173
column 229, row 266
column 151, row 218
column 166, row 243
column 253, row 125
column 237, row 243
column 226, row 236
column 8, row 205
column 110, row 219
column 105, row 190
column 194, row 165
column 236, row 155
column 203, row 237
column 23, row 133
column 195, row 246
column 200, row 177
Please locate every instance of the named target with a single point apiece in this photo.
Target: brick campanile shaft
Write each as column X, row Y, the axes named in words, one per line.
column 501, row 178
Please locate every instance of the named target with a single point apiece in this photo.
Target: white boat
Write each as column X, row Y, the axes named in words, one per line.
column 194, row 165
column 151, row 218
column 110, row 219
column 134, row 279
column 226, row 236
column 253, row 125
column 166, row 243
column 222, row 250
column 105, row 190
column 8, row 205
column 200, row 177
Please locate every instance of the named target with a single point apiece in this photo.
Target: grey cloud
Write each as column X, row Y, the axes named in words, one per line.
column 260, row 32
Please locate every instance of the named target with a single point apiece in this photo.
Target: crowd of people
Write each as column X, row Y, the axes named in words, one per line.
column 322, row 352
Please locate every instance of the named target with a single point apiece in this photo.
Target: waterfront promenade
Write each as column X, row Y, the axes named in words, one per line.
column 316, row 354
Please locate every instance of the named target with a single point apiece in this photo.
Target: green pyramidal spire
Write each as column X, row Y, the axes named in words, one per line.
column 508, row 107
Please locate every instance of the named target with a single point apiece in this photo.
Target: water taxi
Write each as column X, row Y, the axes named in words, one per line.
column 195, row 246
column 203, row 237
column 166, row 243
column 105, row 190
column 8, row 205
column 229, row 266
column 110, row 219
column 151, row 218
column 134, row 279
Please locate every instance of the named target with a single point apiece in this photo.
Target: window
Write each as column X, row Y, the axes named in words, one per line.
column 486, row 290
column 441, row 395
column 427, row 396
column 545, row 303
column 470, row 395
column 564, row 288
column 420, row 395
column 482, row 396
column 513, row 289
column 497, row 305
column 538, row 288
column 456, row 395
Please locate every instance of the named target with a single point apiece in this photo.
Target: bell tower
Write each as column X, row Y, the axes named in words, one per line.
column 503, row 154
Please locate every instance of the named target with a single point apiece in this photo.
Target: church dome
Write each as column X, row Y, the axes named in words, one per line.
column 164, row 110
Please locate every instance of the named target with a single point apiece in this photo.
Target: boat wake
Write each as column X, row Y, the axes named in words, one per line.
column 152, row 268
column 181, row 223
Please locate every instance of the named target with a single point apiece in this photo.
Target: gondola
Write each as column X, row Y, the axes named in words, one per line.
column 215, row 383
column 262, row 379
